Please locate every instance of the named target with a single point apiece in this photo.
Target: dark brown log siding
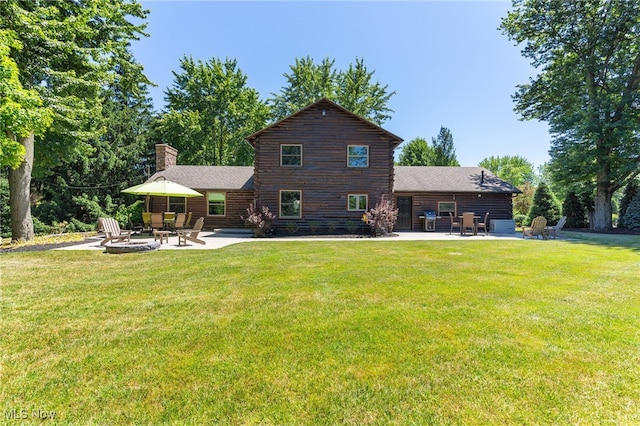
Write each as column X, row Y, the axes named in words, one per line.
column 324, row 178
column 499, row 206
column 236, row 206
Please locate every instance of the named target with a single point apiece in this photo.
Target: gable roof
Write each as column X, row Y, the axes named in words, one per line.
column 327, row 104
column 449, row 179
column 210, row 177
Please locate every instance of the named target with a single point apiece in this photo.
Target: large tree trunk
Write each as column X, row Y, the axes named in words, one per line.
column 602, row 218
column 19, row 194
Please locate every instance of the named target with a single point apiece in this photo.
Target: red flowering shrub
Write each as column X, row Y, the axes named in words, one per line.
column 259, row 219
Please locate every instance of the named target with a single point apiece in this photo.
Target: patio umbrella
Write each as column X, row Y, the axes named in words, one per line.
column 162, row 188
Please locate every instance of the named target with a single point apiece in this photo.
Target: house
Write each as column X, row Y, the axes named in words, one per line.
column 324, row 166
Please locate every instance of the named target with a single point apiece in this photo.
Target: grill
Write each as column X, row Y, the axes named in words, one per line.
column 429, row 220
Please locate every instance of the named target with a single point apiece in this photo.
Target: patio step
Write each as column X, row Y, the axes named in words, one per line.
column 233, row 231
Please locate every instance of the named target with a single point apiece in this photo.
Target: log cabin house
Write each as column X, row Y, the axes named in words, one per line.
column 323, row 167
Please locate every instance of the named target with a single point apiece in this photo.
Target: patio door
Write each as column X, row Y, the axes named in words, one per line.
column 405, row 205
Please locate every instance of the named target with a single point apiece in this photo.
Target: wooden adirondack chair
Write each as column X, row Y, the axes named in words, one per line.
column 552, row 231
column 537, row 228
column 112, row 231
column 185, row 235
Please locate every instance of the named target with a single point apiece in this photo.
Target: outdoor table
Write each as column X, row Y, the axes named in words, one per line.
column 161, row 235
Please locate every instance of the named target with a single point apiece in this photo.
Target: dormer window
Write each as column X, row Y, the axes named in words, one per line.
column 358, row 156
column 291, row 155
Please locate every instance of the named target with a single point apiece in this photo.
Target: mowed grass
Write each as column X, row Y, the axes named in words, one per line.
column 354, row 332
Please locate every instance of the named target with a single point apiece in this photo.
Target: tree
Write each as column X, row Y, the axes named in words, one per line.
column 588, row 89
column 575, row 212
column 444, row 153
column 416, row 152
column 351, row 89
column 544, row 204
column 65, row 58
column 632, row 215
column 210, row 111
column 630, row 191
column 22, row 115
column 513, row 169
column 87, row 186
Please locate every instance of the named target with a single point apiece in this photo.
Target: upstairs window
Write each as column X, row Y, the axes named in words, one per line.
column 291, row 155
column 358, row 202
column 357, row 156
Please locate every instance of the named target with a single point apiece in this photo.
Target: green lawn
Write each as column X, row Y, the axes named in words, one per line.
column 355, row 332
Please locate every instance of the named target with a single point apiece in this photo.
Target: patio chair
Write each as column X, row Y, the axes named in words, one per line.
column 169, row 220
column 191, row 234
column 156, row 221
column 146, row 220
column 553, row 231
column 468, row 223
column 537, row 228
column 454, row 223
column 112, row 231
column 187, row 223
column 484, row 224
column 180, row 221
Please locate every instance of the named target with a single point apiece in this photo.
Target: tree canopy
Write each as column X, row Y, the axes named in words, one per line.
column 516, row 170
column 352, row 89
column 587, row 90
column 63, row 53
column 210, row 111
column 417, row 152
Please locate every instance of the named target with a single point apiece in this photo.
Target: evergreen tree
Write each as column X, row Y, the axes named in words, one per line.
column 632, row 215
column 444, row 153
column 575, row 212
column 544, row 204
column 630, row 191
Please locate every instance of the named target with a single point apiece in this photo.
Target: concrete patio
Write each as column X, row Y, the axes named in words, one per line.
column 223, row 238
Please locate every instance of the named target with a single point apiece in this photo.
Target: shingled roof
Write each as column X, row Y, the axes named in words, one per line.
column 210, row 177
column 407, row 178
column 449, row 179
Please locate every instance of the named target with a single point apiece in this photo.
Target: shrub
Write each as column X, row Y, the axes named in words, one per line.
column 630, row 191
column 544, row 204
column 632, row 215
column 332, row 225
column 292, row 227
column 382, row 218
column 575, row 211
column 260, row 220
column 351, row 226
column 313, row 226
column 520, row 219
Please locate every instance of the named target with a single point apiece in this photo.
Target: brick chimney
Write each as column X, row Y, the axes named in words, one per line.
column 166, row 156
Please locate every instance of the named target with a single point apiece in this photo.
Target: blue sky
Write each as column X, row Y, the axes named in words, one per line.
column 446, row 60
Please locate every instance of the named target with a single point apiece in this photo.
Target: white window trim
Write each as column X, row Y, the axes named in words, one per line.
column 348, row 157
column 280, row 215
column 301, row 153
column 455, row 207
column 225, row 204
column 366, row 197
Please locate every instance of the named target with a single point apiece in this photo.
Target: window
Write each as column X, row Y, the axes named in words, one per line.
column 290, row 204
column 177, row 205
column 357, row 156
column 444, row 207
column 358, row 202
column 216, row 202
column 291, row 155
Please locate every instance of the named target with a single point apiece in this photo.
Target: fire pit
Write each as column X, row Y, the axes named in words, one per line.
column 132, row 247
